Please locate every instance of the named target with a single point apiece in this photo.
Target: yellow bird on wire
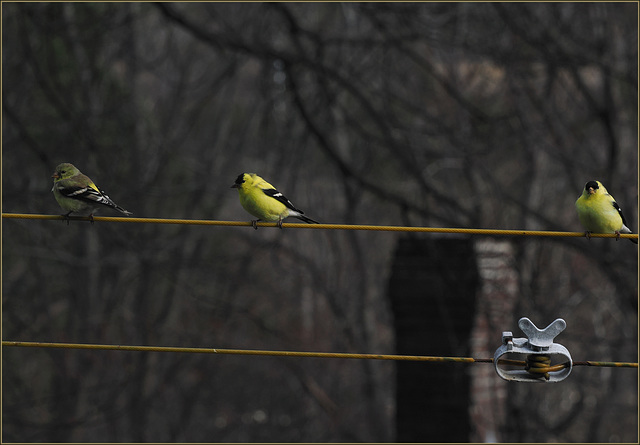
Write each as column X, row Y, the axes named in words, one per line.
column 599, row 212
column 263, row 201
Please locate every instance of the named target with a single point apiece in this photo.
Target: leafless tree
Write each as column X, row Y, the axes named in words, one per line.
column 438, row 114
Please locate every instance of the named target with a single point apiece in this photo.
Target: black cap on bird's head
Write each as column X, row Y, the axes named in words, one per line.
column 239, row 181
column 591, row 187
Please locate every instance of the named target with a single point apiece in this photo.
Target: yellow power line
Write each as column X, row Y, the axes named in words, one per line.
column 339, row 355
column 206, row 222
column 241, row 352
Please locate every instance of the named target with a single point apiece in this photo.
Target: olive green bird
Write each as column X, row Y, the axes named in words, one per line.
column 77, row 193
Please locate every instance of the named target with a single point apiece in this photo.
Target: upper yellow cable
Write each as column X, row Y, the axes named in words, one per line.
column 207, row 222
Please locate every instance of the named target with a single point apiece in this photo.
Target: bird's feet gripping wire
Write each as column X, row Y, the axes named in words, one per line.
column 254, row 223
column 67, row 218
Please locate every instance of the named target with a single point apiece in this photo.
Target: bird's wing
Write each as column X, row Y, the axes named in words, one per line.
column 617, row 207
column 273, row 193
column 89, row 193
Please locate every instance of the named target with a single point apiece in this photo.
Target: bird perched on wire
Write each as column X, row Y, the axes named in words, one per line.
column 263, row 201
column 76, row 193
column 599, row 212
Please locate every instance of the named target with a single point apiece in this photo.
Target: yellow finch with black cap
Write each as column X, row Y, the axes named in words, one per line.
column 263, row 201
column 599, row 212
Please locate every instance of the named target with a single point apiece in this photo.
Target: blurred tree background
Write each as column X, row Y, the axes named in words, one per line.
column 427, row 114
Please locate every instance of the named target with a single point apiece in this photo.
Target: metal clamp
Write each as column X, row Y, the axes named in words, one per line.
column 538, row 351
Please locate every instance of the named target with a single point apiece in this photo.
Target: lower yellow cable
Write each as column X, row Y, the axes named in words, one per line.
column 340, row 355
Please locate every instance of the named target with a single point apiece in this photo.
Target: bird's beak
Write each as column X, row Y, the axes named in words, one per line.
column 591, row 190
column 235, row 186
column 55, row 175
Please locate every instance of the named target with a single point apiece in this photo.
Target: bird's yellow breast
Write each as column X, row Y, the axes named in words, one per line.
column 266, row 208
column 597, row 214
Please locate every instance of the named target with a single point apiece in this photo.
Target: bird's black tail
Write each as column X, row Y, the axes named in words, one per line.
column 121, row 210
column 307, row 220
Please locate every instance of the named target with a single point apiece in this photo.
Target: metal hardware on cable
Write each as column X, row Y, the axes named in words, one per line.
column 539, row 352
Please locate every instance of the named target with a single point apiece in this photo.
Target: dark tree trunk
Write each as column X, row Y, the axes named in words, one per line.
column 432, row 290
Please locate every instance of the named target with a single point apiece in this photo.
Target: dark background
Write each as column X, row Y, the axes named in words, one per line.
column 427, row 114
